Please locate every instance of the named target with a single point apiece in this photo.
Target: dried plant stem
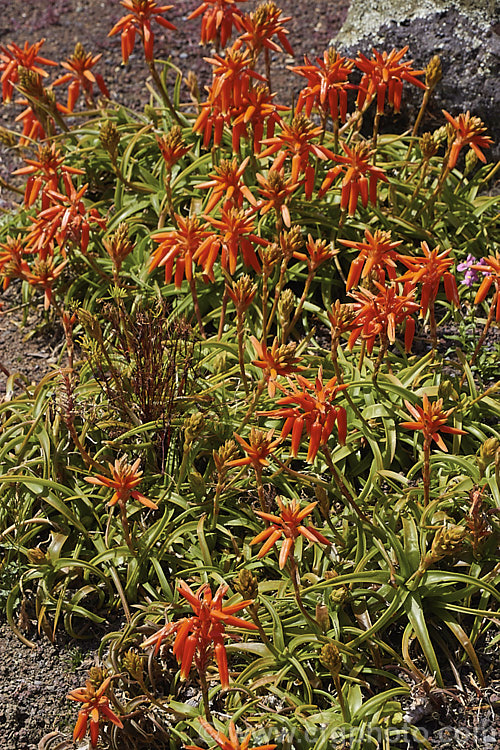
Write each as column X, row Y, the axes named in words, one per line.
column 376, row 125
column 204, row 694
column 487, row 325
column 125, row 526
column 240, row 328
column 421, row 112
column 168, row 206
column 222, row 320
column 340, row 696
column 163, row 91
column 192, row 287
column 341, row 485
column 289, row 328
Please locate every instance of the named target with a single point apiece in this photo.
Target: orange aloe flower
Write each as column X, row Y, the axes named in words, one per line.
column 257, row 111
column 429, row 271
column 95, row 707
column 360, row 177
column 202, row 634
column 227, row 183
column 236, row 234
column 232, row 75
column 138, row 21
column 431, row 420
column 296, row 141
column 309, row 406
column 276, row 192
column 383, row 74
column 491, row 265
column 469, row 131
column 259, row 447
column 124, row 479
column 179, row 246
column 44, row 171
column 13, row 57
column 377, row 315
column 12, row 263
column 172, row 147
column 376, row 256
column 228, row 743
column 280, row 359
column 44, row 274
column 218, row 19
column 318, row 252
column 260, row 26
column 66, row 218
column 79, row 66
column 327, row 85
column 289, row 525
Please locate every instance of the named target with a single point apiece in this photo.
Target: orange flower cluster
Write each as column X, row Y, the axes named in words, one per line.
column 428, row 271
column 431, row 420
column 288, row 525
column 327, row 85
column 138, row 21
column 376, row 258
column 95, row 707
column 383, row 75
column 203, row 633
column 228, row 743
column 469, row 131
column 309, row 407
column 378, row 315
column 13, row 57
column 360, row 177
column 219, row 16
column 124, row 479
column 80, row 77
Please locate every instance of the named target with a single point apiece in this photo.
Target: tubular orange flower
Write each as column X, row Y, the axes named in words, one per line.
column 227, row 183
column 377, row 315
column 260, row 445
column 360, row 177
column 327, row 84
column 12, row 263
column 258, row 28
column 232, row 75
column 44, row 171
column 257, row 111
column 385, row 73
column 318, row 252
column 276, row 192
column 218, row 19
column 202, row 634
column 95, row 707
column 288, row 525
column 236, row 233
column 13, row 57
column 492, row 265
column 179, row 246
column 80, row 77
column 124, row 479
column 138, row 21
column 296, row 141
column 376, row 256
column 228, row 743
column 66, row 218
column 310, row 407
column 43, row 274
column 172, row 147
column 279, row 360
column 429, row 271
column 431, row 420
column 469, row 131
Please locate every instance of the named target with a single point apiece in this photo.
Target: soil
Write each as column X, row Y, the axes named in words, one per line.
column 34, row 682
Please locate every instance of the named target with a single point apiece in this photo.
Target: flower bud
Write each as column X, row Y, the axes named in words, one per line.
column 36, row 556
column 97, row 675
column 330, row 658
column 339, row 597
column 193, row 425
column 110, row 138
column 286, row 306
column 151, row 113
column 322, row 617
column 471, row 160
column 192, row 84
column 428, row 145
column 433, row 72
column 440, row 135
column 447, row 541
column 246, row 584
column 133, row 663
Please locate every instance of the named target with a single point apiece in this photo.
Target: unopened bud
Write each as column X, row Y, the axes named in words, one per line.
column 192, row 84
column 440, row 135
column 433, row 72
column 197, row 484
column 286, row 306
column 339, row 597
column 151, row 113
column 110, row 138
column 471, row 160
column 36, row 556
column 133, row 663
column 97, row 675
column 446, row 390
column 330, row 658
column 246, row 584
column 447, row 541
column 322, row 617
column 193, row 425
column 428, row 145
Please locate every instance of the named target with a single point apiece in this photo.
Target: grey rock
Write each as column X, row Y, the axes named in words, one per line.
column 464, row 33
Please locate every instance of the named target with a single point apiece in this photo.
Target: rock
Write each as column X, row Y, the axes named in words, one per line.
column 464, row 33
